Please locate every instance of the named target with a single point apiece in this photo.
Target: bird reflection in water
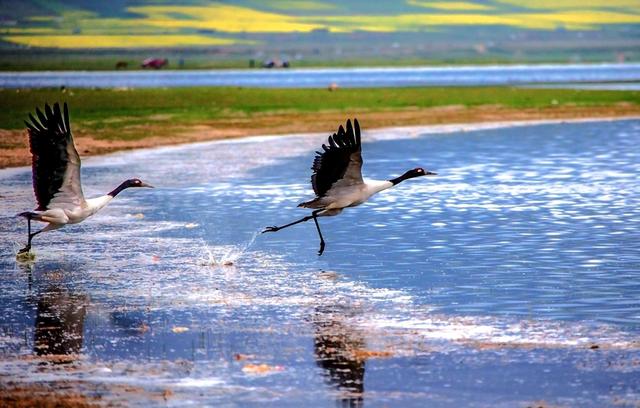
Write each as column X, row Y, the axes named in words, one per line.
column 335, row 349
column 59, row 324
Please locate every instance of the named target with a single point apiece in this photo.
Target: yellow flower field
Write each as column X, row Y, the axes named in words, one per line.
column 117, row 41
column 541, row 21
column 222, row 17
column 574, row 4
column 449, row 5
column 304, row 5
column 179, row 25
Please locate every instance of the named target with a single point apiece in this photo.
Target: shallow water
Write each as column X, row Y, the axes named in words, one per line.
column 567, row 74
column 510, row 279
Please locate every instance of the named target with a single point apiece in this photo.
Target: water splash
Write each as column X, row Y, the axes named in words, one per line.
column 229, row 257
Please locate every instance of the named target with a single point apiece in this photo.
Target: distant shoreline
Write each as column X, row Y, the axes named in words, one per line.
column 521, row 75
column 443, row 119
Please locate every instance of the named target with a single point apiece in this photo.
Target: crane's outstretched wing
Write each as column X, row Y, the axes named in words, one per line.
column 340, row 164
column 55, row 160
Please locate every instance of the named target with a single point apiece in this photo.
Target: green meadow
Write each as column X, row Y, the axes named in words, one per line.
column 110, row 111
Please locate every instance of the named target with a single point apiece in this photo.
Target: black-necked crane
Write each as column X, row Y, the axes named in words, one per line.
column 337, row 178
column 56, row 174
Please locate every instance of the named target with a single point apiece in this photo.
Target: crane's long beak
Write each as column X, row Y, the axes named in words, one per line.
column 143, row 184
column 430, row 173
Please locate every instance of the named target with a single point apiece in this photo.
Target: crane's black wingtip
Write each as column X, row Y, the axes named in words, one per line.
column 48, row 112
column 51, row 107
column 65, row 112
column 356, row 126
column 41, row 116
column 48, row 116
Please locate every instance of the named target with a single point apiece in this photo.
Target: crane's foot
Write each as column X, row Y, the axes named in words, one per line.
column 321, row 250
column 25, row 255
column 271, row 229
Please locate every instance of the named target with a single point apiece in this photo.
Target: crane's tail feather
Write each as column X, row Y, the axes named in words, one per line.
column 31, row 215
column 315, row 203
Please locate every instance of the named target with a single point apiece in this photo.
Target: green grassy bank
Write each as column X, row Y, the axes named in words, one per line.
column 117, row 109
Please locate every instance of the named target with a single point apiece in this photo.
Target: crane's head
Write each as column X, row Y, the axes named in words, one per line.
column 127, row 184
column 419, row 171
column 136, row 183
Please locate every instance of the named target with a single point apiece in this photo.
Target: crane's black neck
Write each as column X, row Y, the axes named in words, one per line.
column 122, row 186
column 402, row 178
column 417, row 172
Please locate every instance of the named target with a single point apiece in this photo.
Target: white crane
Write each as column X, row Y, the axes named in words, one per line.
column 56, row 174
column 337, row 178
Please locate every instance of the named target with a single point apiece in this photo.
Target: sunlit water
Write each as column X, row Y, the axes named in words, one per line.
column 512, row 278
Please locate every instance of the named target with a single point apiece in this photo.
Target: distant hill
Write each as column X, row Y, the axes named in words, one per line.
column 312, row 32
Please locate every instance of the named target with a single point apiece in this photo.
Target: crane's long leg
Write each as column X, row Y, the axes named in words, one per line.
column 314, row 216
column 27, row 248
column 315, row 219
column 303, row 219
column 274, row 228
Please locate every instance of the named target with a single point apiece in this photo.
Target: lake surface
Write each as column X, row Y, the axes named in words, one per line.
column 567, row 74
column 510, row 279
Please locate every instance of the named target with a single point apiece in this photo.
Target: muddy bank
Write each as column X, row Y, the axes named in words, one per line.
column 14, row 149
